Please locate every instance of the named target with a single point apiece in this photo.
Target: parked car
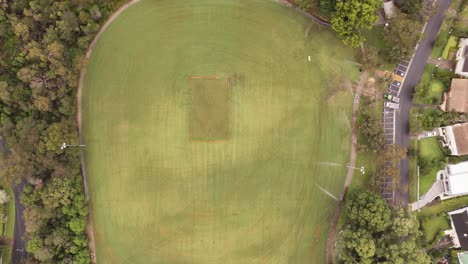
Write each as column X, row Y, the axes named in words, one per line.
column 392, row 105
column 392, row 98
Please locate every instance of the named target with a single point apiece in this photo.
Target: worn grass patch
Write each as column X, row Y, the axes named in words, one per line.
column 209, row 108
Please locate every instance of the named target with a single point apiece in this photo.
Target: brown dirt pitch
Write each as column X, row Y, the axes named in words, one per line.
column 208, row 111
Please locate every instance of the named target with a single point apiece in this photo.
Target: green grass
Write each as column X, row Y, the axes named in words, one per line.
column 425, row 80
column 413, row 162
column 375, row 37
column 436, row 88
column 10, row 226
column 255, row 199
column 433, row 225
column 444, row 206
column 429, row 150
column 451, row 44
column 440, row 42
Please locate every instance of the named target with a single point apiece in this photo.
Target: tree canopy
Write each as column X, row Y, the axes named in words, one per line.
column 351, row 16
column 375, row 233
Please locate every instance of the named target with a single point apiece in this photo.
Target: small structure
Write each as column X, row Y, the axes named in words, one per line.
column 389, row 9
column 455, row 137
column 455, row 179
column 457, row 99
column 462, row 58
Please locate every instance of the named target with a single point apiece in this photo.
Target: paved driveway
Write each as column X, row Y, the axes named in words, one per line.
column 415, row 71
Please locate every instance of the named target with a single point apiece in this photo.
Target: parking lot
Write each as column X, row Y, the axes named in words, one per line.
column 389, row 114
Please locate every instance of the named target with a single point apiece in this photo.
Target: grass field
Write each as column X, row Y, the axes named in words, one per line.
column 157, row 196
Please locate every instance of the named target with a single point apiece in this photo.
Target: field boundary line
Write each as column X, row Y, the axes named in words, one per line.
column 89, row 224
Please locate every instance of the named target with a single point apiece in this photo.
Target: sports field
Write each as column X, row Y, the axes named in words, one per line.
column 158, row 196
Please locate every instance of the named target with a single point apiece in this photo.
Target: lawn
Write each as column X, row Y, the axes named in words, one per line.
column 158, row 196
column 433, row 225
column 429, row 150
column 451, row 43
column 444, row 206
column 436, row 88
column 10, row 226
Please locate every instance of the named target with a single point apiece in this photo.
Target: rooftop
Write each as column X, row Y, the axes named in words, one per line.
column 460, row 133
column 457, row 99
column 460, row 223
column 458, row 183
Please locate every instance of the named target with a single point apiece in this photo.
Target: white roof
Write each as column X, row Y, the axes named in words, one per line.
column 389, row 9
column 458, row 183
column 460, row 168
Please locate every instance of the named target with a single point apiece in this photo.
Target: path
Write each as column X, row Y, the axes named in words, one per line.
column 89, row 225
column 413, row 75
column 19, row 253
column 443, row 63
column 349, row 175
column 436, row 190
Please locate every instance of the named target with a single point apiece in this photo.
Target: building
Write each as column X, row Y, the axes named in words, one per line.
column 389, row 9
column 462, row 58
column 455, row 179
column 463, row 257
column 455, row 137
column 457, row 99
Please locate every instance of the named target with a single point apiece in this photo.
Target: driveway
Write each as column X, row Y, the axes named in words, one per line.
column 402, row 126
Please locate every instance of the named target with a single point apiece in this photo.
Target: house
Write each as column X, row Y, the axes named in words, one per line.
column 455, row 137
column 459, row 232
column 457, row 99
column 455, row 180
column 462, row 58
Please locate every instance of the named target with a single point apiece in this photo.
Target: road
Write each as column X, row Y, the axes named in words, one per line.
column 413, row 76
column 19, row 244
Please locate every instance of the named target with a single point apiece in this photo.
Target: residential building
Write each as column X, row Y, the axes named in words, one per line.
column 457, row 99
column 455, row 179
column 455, row 137
column 462, row 58
column 459, row 232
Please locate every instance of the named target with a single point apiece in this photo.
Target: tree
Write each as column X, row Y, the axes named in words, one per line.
column 394, row 240
column 359, row 245
column 367, row 209
column 402, row 34
column 3, row 197
column 351, row 17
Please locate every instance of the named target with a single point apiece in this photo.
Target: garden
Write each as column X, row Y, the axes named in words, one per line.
column 7, row 223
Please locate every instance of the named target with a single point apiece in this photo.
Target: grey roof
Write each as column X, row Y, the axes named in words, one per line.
column 460, row 222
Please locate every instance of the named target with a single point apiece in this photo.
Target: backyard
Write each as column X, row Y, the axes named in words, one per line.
column 266, row 195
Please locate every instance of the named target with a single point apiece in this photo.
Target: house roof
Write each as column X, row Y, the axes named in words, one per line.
column 460, row 223
column 460, row 134
column 457, row 99
column 458, row 183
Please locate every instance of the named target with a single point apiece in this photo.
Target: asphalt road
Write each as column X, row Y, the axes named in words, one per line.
column 19, row 244
column 413, row 76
